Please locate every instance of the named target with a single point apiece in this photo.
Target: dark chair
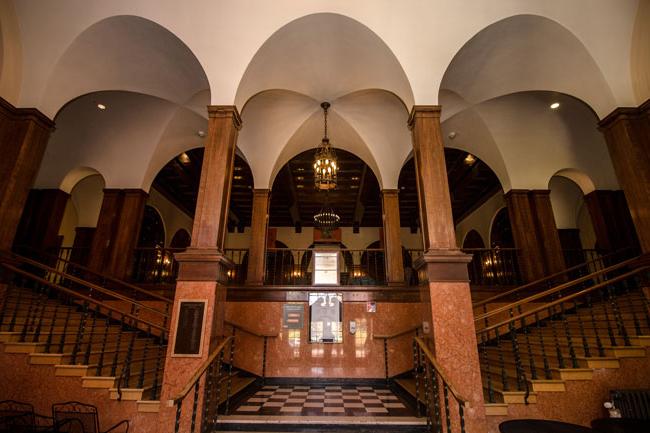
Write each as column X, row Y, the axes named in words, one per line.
column 87, row 417
column 18, row 417
column 541, row 426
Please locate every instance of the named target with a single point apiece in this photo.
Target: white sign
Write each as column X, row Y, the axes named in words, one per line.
column 326, row 267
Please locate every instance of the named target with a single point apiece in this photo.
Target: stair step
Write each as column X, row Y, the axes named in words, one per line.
column 98, row 382
column 496, row 409
column 545, row 385
column 149, row 406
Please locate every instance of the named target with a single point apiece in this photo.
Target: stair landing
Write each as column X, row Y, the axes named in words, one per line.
column 340, row 408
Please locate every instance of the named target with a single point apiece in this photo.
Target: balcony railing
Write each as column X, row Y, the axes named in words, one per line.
column 493, row 267
column 155, row 265
column 294, row 267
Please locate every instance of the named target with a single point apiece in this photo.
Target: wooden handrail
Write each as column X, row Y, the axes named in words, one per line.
column 80, row 296
column 199, row 372
column 249, row 331
column 90, row 285
column 109, row 278
column 541, row 280
column 564, row 299
column 397, row 334
column 552, row 290
column 438, row 368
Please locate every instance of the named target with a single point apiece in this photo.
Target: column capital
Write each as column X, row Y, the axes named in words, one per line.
column 225, row 111
column 440, row 265
column 389, row 191
column 624, row 113
column 261, row 191
column 422, row 111
column 33, row 114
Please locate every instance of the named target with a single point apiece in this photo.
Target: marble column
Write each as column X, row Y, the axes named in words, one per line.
column 24, row 133
column 257, row 249
column 202, row 267
column 444, row 287
column 611, row 219
column 549, row 238
column 392, row 237
column 117, row 232
column 41, row 220
column 539, row 251
column 627, row 132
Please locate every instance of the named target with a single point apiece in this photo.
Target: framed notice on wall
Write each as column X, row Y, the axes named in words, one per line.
column 326, row 268
column 188, row 340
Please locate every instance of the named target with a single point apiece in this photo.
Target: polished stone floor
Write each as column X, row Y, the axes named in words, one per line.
column 310, row 401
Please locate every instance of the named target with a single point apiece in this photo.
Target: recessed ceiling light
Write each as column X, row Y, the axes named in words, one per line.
column 355, row 178
column 101, row 106
column 555, row 105
column 452, row 135
column 470, row 159
column 300, row 186
column 200, row 133
column 300, row 177
column 238, row 177
column 184, row 158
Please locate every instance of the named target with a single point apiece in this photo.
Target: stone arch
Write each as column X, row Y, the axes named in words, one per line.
column 294, row 57
column 473, row 239
column 96, row 60
column 501, row 230
column 490, row 63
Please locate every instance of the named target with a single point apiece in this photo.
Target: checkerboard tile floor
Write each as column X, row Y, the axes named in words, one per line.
column 323, row 401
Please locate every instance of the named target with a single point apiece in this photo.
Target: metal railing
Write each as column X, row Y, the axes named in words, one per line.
column 386, row 338
column 239, row 257
column 84, row 326
column 212, row 375
column 294, row 267
column 442, row 403
column 155, row 265
column 493, row 266
column 597, row 263
column 562, row 326
column 237, row 329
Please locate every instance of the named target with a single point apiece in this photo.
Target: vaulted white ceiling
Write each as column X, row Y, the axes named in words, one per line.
column 494, row 69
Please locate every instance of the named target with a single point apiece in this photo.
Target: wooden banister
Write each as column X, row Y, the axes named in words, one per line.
column 547, row 278
column 82, row 297
column 553, row 290
column 397, row 334
column 563, row 299
column 91, row 285
column 249, row 331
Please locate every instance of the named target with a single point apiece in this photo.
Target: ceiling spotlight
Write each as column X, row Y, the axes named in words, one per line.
column 238, row 177
column 555, row 105
column 470, row 159
column 101, row 106
column 452, row 135
column 200, row 133
column 184, row 158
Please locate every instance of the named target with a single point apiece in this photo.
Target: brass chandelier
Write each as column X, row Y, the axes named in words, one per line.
column 325, row 162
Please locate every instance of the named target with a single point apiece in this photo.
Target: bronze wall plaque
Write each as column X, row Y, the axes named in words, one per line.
column 189, row 330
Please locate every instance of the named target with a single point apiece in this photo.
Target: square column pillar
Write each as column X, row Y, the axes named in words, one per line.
column 41, row 219
column 535, row 233
column 117, row 233
column 257, row 249
column 203, row 266
column 627, row 132
column 611, row 219
column 24, row 133
column 444, row 283
column 392, row 238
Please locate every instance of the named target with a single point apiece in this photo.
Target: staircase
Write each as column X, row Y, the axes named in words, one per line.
column 554, row 348
column 59, row 324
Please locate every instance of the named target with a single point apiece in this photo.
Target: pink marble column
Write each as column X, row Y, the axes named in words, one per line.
column 202, row 267
column 445, row 293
